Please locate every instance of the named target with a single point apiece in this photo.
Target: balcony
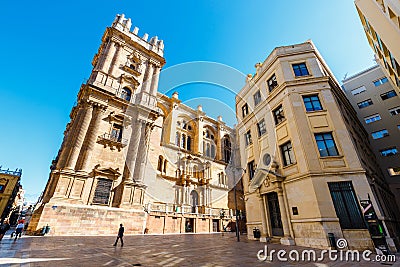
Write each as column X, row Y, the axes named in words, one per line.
column 112, row 141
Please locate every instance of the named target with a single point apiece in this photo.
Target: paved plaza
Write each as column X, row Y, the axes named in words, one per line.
column 146, row 250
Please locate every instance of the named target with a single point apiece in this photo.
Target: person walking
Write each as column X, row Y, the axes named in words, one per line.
column 120, row 235
column 4, row 228
column 19, row 229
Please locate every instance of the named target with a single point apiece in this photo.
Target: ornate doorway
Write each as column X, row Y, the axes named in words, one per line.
column 274, row 214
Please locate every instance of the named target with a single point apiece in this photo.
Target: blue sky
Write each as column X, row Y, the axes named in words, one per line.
column 47, row 48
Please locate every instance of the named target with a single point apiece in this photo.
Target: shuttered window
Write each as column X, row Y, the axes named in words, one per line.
column 102, row 192
column 346, row 205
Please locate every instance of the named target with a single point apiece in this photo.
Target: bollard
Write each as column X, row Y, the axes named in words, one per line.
column 332, row 240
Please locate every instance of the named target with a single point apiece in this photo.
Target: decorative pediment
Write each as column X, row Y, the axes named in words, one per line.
column 109, row 172
column 130, row 79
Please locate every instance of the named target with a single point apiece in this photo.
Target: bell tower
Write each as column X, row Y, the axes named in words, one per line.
column 101, row 162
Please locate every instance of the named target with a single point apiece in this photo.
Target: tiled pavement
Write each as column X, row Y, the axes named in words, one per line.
column 146, row 250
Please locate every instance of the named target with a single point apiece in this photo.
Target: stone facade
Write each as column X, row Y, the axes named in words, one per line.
column 134, row 156
column 11, row 194
column 305, row 174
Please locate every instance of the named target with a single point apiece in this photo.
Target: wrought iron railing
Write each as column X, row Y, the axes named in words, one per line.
column 113, row 138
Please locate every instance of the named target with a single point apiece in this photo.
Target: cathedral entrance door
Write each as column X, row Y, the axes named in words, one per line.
column 274, row 214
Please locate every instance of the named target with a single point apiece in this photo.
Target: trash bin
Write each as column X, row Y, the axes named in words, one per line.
column 256, row 233
column 332, row 240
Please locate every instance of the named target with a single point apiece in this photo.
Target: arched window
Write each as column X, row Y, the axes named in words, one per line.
column 184, row 135
column 209, row 144
column 227, row 149
column 165, row 166
column 126, row 94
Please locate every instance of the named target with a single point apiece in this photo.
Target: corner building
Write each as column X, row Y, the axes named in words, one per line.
column 134, row 156
column 304, row 173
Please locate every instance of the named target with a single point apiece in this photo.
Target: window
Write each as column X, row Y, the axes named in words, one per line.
column 326, row 145
column 300, row 69
column 247, row 137
column 312, row 103
column 380, row 134
column 287, row 154
column 160, row 163
column 261, row 128
column 391, row 151
column 358, row 90
column 398, row 126
column 102, row 192
column 279, row 116
column 184, row 134
column 208, row 144
column 126, row 94
column 227, row 149
column 245, row 110
column 394, row 111
column 380, row 81
column 346, row 205
column 252, row 169
column 257, row 98
column 365, row 103
column 388, row 95
column 272, row 83
column 394, row 171
column 372, row 118
column 116, row 132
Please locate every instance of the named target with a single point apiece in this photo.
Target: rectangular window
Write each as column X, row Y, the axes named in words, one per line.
column 279, row 116
column 247, row 137
column 380, row 81
column 261, row 128
column 365, row 103
column 287, row 154
column 257, row 98
column 116, row 132
column 358, row 90
column 394, row 171
column 346, row 205
column 372, row 118
column 102, row 192
column 312, row 103
column 326, row 144
column 388, row 95
column 394, row 111
column 251, row 168
column 245, row 110
column 272, row 83
column 380, row 134
column 391, row 151
column 300, row 69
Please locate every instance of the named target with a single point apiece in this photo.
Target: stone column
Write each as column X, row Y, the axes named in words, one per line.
column 68, row 140
column 264, row 229
column 108, row 56
column 115, row 61
column 154, row 82
column 90, row 139
column 132, row 151
column 287, row 239
column 147, row 83
column 79, row 135
column 142, row 152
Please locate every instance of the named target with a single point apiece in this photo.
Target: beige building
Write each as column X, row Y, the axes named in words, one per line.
column 378, row 108
column 381, row 22
column 9, row 192
column 134, row 156
column 307, row 157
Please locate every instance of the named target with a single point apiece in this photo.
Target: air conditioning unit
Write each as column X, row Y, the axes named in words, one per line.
column 266, row 164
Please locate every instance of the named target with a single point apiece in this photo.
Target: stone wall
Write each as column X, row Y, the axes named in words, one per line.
column 65, row 219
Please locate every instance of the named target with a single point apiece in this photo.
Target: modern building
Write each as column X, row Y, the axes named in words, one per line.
column 381, row 22
column 307, row 157
column 134, row 156
column 11, row 193
column 378, row 108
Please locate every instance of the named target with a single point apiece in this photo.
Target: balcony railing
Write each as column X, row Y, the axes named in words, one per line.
column 112, row 141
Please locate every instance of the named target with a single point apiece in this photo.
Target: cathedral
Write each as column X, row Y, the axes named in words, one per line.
column 134, row 156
